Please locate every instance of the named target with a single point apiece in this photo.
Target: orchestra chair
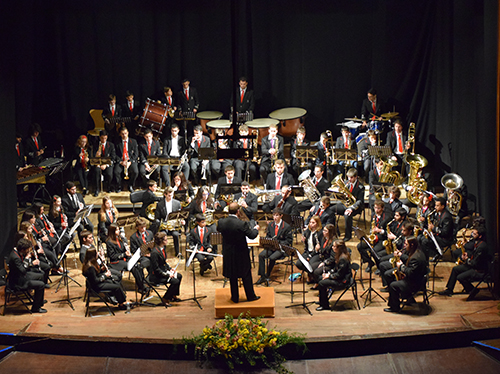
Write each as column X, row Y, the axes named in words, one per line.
column 422, row 289
column 136, row 197
column 488, row 278
column 89, row 292
column 21, row 294
column 352, row 285
column 154, row 287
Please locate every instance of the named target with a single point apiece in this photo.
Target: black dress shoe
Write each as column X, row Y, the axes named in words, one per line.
column 40, row 310
column 320, row 308
column 118, row 190
column 384, row 289
column 96, row 193
column 347, row 238
column 446, row 292
column 85, row 192
column 315, row 288
column 390, row 310
column 176, row 299
column 202, row 270
column 473, row 293
column 410, row 301
column 130, row 189
column 255, row 298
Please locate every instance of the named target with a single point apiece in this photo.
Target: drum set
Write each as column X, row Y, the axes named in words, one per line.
column 376, row 124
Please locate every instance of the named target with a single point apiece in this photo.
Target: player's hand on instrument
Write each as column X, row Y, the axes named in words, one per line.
column 256, row 227
column 348, row 212
column 36, row 262
column 391, row 236
column 209, row 249
column 431, row 226
column 399, row 263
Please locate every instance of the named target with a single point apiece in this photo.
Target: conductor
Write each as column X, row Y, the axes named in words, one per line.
column 235, row 252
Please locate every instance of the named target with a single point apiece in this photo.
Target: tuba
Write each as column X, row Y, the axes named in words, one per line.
column 387, row 175
column 417, row 163
column 348, row 198
column 453, row 182
column 310, row 189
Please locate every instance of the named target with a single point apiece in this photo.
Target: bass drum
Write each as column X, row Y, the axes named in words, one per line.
column 291, row 119
column 154, row 116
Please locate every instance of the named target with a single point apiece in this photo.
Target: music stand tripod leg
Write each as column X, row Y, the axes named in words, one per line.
column 304, row 305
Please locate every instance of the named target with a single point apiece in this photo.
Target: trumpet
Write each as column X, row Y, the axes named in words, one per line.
column 268, row 194
column 153, row 169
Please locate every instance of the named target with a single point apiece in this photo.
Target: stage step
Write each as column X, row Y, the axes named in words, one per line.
column 262, row 307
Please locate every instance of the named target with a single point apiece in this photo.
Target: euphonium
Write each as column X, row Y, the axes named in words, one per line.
column 349, row 199
column 268, row 194
column 310, row 190
column 418, row 184
column 387, row 175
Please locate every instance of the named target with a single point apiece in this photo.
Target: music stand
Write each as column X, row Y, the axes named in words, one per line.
column 379, row 150
column 188, row 262
column 345, row 155
column 304, row 153
column 361, row 236
column 273, row 245
column 66, row 279
column 185, row 117
column 307, row 265
column 290, row 251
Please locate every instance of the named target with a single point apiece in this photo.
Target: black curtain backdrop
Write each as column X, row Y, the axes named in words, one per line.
column 434, row 62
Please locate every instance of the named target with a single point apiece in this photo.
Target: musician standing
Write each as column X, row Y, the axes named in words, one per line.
column 132, row 109
column 199, row 141
column 397, row 141
column 127, row 155
column 357, row 190
column 112, row 112
column 23, row 274
column 104, row 149
column 187, row 98
column 174, row 146
column 81, row 162
column 237, row 263
column 325, row 154
column 311, row 238
column 413, row 274
column 148, row 147
column 244, row 98
column 282, row 233
column 272, row 148
column 166, row 206
column 34, row 146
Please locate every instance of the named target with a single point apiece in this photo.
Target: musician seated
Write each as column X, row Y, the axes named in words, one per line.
column 387, row 263
column 88, row 243
column 33, row 145
column 199, row 237
column 280, row 231
column 100, row 279
column 300, row 140
column 81, row 162
column 148, row 147
column 284, row 201
column 324, row 210
column 326, row 257
column 279, row 178
column 203, row 203
column 440, row 225
column 181, row 184
column 140, row 241
column 337, row 277
column 47, row 256
column 59, row 220
column 373, row 179
column 161, row 272
column 105, row 149
column 324, row 155
column 272, row 148
column 24, row 275
column 243, row 168
column 378, row 234
column 393, row 203
column 72, row 202
column 357, row 190
column 217, row 165
column 44, row 226
column 164, row 207
column 311, row 238
column 127, row 156
column 229, row 178
column 321, row 185
column 44, row 264
column 346, row 142
column 247, row 202
column 368, row 161
column 473, row 262
column 200, row 169
column 119, row 254
column 107, row 215
column 411, row 274
column 149, row 197
column 425, row 207
column 174, row 146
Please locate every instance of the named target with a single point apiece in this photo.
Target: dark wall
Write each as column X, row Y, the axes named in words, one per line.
column 432, row 61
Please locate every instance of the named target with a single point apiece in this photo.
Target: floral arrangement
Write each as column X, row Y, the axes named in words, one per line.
column 241, row 342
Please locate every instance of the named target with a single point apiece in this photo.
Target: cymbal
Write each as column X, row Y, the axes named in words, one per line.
column 355, row 119
column 389, row 115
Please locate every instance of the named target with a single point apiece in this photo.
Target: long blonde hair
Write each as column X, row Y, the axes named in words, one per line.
column 102, row 211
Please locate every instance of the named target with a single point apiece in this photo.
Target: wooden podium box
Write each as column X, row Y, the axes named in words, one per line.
column 262, row 307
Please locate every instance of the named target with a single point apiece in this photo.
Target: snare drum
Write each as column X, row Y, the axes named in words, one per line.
column 154, row 116
column 376, row 126
column 290, row 118
column 360, row 137
column 262, row 124
column 206, row 117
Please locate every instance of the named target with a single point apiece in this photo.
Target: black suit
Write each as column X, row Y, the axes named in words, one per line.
column 144, row 153
column 133, row 154
column 289, row 206
column 358, row 191
column 148, row 198
column 443, row 232
column 194, row 239
column 327, row 216
column 30, row 148
column 107, row 150
column 367, row 109
column 194, row 162
column 252, row 204
column 108, row 114
column 284, row 237
column 266, row 163
column 136, row 241
column 237, row 263
column 378, row 247
column 286, row 180
column 162, row 214
column 191, row 104
column 22, row 275
column 70, row 209
column 248, row 103
column 158, row 273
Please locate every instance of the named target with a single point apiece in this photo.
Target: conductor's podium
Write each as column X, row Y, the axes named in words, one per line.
column 262, row 307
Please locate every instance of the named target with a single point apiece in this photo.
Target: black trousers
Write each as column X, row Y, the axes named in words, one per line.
column 247, row 285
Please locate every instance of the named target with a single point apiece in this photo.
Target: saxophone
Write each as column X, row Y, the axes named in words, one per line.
column 388, row 245
column 396, row 272
column 429, row 220
column 461, row 244
column 255, row 145
column 372, row 238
